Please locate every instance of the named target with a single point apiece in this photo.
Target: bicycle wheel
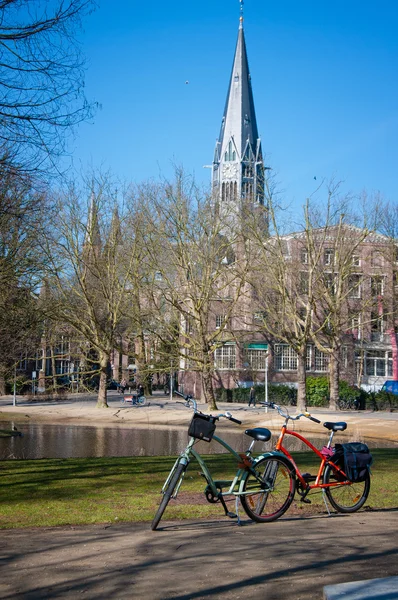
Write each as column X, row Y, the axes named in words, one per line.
column 178, row 472
column 271, row 492
column 345, row 498
column 141, row 400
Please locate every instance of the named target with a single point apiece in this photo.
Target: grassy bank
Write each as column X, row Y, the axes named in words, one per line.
column 38, row 493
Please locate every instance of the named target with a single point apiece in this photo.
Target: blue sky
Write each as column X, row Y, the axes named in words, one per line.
column 324, row 75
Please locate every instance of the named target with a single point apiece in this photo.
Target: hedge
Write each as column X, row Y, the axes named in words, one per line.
column 281, row 394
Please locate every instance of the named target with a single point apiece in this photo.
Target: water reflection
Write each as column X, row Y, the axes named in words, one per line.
column 72, row 441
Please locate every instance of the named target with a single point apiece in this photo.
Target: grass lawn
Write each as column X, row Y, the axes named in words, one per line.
column 39, row 493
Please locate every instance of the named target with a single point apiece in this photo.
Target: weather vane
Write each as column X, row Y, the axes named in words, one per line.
column 241, row 11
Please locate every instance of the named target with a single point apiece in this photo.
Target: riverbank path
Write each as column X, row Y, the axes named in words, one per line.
column 291, row 559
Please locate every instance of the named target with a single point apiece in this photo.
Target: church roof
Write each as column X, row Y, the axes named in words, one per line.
column 239, row 119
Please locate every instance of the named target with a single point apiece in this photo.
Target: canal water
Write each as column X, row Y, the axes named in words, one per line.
column 41, row 440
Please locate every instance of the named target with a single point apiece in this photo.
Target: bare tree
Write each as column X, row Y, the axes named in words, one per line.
column 201, row 265
column 23, row 218
column 335, row 239
column 41, row 81
column 282, row 290
column 91, row 271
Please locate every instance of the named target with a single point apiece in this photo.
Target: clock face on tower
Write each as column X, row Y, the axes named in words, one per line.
column 230, row 170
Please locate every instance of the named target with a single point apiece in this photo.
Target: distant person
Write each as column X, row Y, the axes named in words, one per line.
column 123, row 385
column 140, row 390
column 252, row 396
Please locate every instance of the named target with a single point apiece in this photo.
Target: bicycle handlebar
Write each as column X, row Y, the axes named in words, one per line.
column 191, row 403
column 286, row 415
column 228, row 415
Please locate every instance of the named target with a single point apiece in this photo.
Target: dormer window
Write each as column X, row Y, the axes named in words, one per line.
column 230, row 154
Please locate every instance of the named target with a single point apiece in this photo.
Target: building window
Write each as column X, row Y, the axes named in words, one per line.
column 377, row 285
column 220, row 320
column 356, row 327
column 328, row 256
column 354, row 286
column 378, row 363
column 225, row 357
column 356, row 261
column 304, row 256
column 344, row 356
column 256, row 358
column 259, row 317
column 330, row 282
column 308, row 362
column 321, row 360
column 230, row 154
column 248, row 170
column 285, row 358
column 377, row 326
column 303, row 282
column 376, row 259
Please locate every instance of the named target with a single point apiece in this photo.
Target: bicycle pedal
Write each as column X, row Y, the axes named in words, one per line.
column 305, row 500
column 232, row 515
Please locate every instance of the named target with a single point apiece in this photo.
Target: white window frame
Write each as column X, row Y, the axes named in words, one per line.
column 380, row 280
column 256, row 358
column 380, row 358
column 285, row 358
column 328, row 256
column 220, row 320
column 321, row 361
column 225, row 357
column 304, row 256
column 355, row 292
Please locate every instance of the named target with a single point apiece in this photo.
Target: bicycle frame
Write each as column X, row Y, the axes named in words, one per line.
column 318, row 484
column 234, row 484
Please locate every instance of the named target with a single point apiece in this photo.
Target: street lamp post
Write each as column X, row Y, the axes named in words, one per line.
column 266, row 382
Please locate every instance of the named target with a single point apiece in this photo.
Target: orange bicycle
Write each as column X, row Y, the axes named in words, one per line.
column 282, row 478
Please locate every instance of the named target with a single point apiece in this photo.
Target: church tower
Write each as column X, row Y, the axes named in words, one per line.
column 238, row 167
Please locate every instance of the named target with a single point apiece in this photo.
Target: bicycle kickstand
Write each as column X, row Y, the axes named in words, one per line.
column 326, row 501
column 229, row 514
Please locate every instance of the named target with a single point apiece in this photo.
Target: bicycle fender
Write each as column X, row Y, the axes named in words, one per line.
column 271, row 453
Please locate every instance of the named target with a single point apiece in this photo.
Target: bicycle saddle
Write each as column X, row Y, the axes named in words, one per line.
column 341, row 426
column 261, row 434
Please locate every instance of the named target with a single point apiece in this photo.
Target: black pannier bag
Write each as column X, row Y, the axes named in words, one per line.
column 354, row 458
column 202, row 427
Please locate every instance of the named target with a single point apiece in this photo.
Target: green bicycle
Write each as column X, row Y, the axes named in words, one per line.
column 264, row 484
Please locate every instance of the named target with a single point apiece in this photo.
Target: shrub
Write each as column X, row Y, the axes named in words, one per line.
column 317, row 389
column 382, row 400
column 282, row 394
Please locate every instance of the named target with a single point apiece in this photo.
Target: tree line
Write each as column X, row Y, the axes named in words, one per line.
column 149, row 269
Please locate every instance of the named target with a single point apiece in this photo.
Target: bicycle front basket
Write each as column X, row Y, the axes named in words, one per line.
column 202, row 427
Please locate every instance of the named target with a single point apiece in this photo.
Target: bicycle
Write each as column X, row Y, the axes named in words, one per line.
column 344, row 495
column 134, row 399
column 250, row 480
column 347, row 404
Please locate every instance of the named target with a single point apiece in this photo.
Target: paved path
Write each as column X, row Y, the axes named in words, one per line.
column 291, row 559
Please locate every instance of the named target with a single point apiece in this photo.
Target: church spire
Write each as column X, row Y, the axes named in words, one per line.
column 238, row 169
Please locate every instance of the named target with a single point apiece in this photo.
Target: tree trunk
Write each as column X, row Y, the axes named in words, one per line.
column 301, row 381
column 207, row 385
column 103, row 360
column 334, row 377
column 53, row 368
column 2, row 384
